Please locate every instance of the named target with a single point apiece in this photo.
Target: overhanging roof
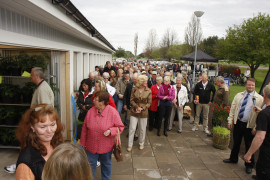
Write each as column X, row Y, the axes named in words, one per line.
column 70, row 9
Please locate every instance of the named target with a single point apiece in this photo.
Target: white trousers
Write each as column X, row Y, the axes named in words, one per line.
column 180, row 117
column 142, row 122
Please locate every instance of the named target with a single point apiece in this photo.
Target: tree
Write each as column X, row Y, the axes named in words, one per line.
column 209, row 45
column 249, row 42
column 142, row 55
column 156, row 53
column 169, row 38
column 151, row 43
column 176, row 51
column 135, row 44
column 190, row 32
column 120, row 52
column 128, row 54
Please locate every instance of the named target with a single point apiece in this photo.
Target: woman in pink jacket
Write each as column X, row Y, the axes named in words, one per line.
column 98, row 132
column 166, row 94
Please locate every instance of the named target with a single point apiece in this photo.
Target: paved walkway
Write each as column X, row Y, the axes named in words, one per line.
column 189, row 155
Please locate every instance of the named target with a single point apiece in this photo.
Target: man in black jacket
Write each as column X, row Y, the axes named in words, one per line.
column 203, row 90
column 126, row 100
column 127, row 94
column 108, row 67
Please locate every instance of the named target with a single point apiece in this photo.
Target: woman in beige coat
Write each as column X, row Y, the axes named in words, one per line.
column 140, row 100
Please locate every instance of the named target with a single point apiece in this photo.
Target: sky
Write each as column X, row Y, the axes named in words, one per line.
column 119, row 20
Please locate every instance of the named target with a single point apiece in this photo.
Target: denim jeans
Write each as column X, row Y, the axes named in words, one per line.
column 115, row 98
column 119, row 106
column 105, row 161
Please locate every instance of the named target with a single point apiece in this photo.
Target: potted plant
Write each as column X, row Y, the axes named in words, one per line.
column 10, row 93
column 2, row 114
column 221, row 135
column 4, row 64
column 7, row 136
column 12, row 115
column 27, row 92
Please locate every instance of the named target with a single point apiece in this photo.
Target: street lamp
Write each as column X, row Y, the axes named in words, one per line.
column 198, row 14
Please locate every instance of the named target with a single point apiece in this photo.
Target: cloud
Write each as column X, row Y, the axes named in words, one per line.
column 119, row 20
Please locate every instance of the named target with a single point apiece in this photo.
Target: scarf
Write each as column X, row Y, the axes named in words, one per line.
column 166, row 89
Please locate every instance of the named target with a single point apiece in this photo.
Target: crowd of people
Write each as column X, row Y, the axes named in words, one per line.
column 142, row 94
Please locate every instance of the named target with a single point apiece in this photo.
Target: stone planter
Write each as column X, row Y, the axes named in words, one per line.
column 221, row 140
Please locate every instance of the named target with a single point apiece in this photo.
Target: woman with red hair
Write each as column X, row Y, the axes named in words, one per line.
column 39, row 132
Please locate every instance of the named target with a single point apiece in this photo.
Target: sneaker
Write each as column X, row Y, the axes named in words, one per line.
column 179, row 131
column 206, row 131
column 129, row 149
column 98, row 163
column 141, row 147
column 11, row 168
column 194, row 128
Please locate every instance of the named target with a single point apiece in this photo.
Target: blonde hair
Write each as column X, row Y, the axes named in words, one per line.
column 101, row 84
column 167, row 78
column 141, row 79
column 67, row 162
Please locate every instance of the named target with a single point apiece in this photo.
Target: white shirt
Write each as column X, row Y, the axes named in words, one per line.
column 248, row 107
column 204, row 84
column 111, row 90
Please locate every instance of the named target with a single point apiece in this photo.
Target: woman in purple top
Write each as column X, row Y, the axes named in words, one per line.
column 166, row 94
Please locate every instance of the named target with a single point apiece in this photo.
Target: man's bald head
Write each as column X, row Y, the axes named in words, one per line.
column 134, row 78
column 91, row 76
column 167, row 73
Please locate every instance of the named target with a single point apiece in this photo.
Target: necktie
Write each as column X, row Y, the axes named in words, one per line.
column 242, row 110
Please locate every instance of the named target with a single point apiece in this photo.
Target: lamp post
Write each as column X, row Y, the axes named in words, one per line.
column 198, row 14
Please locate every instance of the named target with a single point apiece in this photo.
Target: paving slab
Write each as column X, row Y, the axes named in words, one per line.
column 144, row 163
column 174, row 169
column 191, row 163
column 221, row 170
column 200, row 175
column 166, row 157
column 146, row 152
column 147, row 174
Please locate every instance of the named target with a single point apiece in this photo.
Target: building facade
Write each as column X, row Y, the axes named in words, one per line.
column 58, row 29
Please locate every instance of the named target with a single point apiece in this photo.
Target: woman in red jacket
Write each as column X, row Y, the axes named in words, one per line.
column 153, row 113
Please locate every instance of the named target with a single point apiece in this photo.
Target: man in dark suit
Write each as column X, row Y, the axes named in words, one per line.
column 126, row 100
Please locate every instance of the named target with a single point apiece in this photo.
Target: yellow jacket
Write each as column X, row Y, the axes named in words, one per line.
column 235, row 107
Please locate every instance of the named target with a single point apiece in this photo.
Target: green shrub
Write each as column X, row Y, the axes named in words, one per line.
column 221, row 130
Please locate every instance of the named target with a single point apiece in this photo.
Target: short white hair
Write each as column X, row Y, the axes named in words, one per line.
column 106, row 75
column 167, row 78
column 159, row 78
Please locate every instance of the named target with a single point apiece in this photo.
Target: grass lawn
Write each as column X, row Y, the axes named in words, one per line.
column 259, row 76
